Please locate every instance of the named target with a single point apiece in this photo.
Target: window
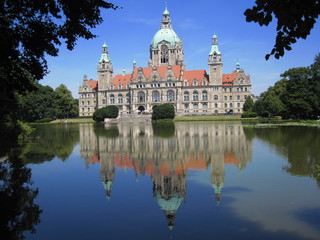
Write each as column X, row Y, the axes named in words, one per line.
column 195, row 82
column 195, row 96
column 103, row 101
column 225, row 105
column 185, row 82
column 225, row 98
column 195, row 106
column 82, row 102
column 238, row 105
column 128, row 98
column 215, row 97
column 120, row 86
column 170, row 96
column 230, row 97
column 111, row 98
column 205, row 105
column 245, row 96
column 155, row 97
column 186, row 106
column 216, row 105
column 231, row 105
column 204, row 82
column 111, row 86
column 120, row 100
column 141, row 97
column 186, row 96
column 204, row 95
column 154, row 78
column 238, row 97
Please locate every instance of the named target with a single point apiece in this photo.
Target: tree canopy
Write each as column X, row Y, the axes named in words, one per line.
column 32, row 30
column 296, row 96
column 295, row 19
column 105, row 112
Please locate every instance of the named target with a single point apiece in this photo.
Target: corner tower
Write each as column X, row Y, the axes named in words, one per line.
column 215, row 63
column 166, row 47
column 105, row 69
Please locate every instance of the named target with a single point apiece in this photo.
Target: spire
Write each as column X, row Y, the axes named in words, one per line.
column 134, row 64
column 238, row 67
column 214, row 47
column 104, row 54
column 166, row 21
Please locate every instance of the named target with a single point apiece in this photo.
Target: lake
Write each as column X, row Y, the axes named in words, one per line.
column 204, row 180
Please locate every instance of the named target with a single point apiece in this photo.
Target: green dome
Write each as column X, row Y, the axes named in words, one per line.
column 165, row 34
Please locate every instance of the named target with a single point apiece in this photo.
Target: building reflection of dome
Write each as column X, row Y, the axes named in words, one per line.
column 107, row 186
column 169, row 206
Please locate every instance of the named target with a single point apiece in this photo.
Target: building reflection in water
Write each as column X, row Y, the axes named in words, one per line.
column 166, row 159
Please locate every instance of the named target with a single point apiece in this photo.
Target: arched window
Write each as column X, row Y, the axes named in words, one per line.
column 103, row 101
column 186, row 96
column 231, row 105
column 245, row 96
column 238, row 97
column 230, row 97
column 112, row 98
column 120, row 86
column 215, row 97
column 141, row 97
column 186, row 106
column 204, row 105
column 195, row 105
column 195, row 96
column 216, row 105
column 225, row 98
column 155, row 97
column 185, row 82
column 128, row 98
column 120, row 100
column 204, row 95
column 225, row 105
column 170, row 96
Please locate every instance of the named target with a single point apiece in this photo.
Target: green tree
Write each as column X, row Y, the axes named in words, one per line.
column 65, row 104
column 301, row 97
column 31, row 30
column 38, row 104
column 105, row 112
column 163, row 111
column 248, row 104
column 295, row 19
column 270, row 104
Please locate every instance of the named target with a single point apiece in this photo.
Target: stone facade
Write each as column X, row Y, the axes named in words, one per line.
column 166, row 80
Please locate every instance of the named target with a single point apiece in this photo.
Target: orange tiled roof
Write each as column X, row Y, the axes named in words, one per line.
column 123, row 79
column 93, row 84
column 230, row 158
column 162, row 70
column 199, row 75
column 228, row 79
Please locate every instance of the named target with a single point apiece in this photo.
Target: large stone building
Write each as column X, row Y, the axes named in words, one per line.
column 165, row 80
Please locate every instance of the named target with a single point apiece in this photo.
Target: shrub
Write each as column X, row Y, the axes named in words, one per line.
column 249, row 114
column 105, row 112
column 163, row 111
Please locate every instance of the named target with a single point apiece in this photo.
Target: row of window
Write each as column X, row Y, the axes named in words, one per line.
column 245, row 89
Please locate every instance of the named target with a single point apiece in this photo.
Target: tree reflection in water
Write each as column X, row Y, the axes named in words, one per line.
column 18, row 211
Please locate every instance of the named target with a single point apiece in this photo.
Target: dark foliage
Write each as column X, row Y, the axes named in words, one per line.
column 248, row 104
column 30, row 31
column 295, row 19
column 164, row 111
column 249, row 114
column 18, row 211
column 105, row 112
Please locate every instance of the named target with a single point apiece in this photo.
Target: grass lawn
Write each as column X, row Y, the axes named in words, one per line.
column 73, row 120
column 208, row 118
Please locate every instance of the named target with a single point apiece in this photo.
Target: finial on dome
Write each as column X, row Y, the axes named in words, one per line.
column 166, row 12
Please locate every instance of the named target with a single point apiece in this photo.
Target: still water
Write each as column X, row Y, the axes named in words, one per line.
column 175, row 181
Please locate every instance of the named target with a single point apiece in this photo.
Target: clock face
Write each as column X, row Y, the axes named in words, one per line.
column 164, row 48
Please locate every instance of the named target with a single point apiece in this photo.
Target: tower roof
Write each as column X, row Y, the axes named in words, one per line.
column 214, row 47
column 165, row 34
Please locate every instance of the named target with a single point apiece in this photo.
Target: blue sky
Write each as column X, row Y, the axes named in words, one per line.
column 128, row 33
